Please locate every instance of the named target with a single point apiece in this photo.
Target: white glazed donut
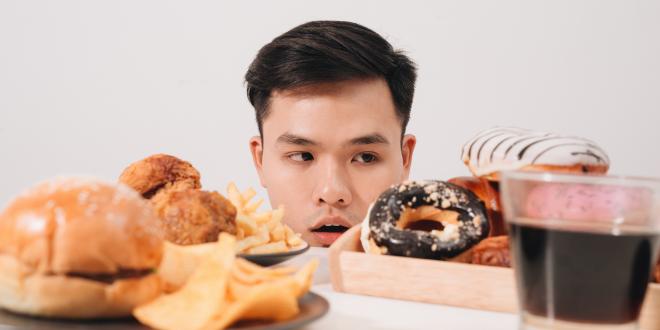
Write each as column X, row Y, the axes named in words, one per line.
column 508, row 148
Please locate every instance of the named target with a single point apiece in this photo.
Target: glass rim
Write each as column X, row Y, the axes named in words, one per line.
column 584, row 178
column 509, row 179
column 588, row 226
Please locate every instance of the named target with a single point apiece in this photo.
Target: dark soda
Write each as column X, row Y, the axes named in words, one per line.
column 590, row 277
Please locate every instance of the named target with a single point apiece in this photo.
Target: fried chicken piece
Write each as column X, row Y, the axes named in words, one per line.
column 492, row 251
column 158, row 173
column 194, row 216
column 656, row 272
column 188, row 215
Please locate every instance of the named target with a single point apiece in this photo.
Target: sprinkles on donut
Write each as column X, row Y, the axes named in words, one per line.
column 426, row 219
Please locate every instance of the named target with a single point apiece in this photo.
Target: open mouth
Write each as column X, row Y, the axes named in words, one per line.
column 326, row 235
column 330, row 229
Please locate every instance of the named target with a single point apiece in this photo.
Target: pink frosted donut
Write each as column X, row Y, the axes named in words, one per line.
column 586, row 202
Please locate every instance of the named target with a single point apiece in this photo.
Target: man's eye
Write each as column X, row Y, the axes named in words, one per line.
column 365, row 157
column 301, row 156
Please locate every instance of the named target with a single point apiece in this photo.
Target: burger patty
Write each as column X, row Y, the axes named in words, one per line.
column 123, row 274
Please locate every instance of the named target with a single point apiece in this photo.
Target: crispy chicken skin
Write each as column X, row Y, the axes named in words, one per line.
column 188, row 215
column 194, row 216
column 158, row 173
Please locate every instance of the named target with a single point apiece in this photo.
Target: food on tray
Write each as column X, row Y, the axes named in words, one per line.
column 426, row 219
column 488, row 192
column 508, row 148
column 159, row 173
column 224, row 289
column 398, row 223
column 492, row 251
column 78, row 248
column 188, row 215
column 260, row 233
column 194, row 216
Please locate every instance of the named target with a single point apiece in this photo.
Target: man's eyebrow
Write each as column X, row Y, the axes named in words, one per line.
column 289, row 138
column 369, row 139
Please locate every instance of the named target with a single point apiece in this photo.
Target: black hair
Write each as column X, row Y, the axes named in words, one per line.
column 329, row 51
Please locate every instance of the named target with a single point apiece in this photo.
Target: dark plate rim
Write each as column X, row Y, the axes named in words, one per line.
column 297, row 321
column 312, row 298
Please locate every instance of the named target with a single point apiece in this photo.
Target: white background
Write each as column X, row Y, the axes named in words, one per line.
column 89, row 86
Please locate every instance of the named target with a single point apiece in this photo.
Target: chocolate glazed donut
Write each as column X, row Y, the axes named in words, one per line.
column 471, row 224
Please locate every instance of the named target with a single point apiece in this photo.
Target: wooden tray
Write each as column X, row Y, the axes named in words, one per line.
column 438, row 282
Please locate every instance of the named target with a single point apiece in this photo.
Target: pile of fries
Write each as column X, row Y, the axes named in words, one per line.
column 223, row 289
column 260, row 233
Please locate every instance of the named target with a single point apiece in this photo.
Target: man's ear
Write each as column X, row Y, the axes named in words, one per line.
column 407, row 148
column 257, row 150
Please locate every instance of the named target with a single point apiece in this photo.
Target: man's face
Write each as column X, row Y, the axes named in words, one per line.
column 328, row 151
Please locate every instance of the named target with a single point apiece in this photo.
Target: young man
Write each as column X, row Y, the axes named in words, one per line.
column 332, row 100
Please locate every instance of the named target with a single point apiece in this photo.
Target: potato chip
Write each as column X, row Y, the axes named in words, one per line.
column 179, row 262
column 238, row 287
column 216, row 289
column 223, row 289
column 304, row 276
column 272, row 301
column 267, row 301
column 249, row 267
column 242, row 276
column 200, row 299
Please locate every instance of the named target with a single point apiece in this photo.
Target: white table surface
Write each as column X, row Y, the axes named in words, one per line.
column 349, row 311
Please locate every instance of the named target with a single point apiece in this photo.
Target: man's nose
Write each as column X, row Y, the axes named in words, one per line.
column 333, row 187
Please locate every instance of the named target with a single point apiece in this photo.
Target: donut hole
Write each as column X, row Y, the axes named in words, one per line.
column 426, row 218
column 425, row 225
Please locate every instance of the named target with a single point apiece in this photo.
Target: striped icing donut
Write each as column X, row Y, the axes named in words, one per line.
column 509, row 148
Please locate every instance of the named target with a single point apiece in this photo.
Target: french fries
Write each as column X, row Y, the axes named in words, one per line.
column 260, row 233
column 224, row 289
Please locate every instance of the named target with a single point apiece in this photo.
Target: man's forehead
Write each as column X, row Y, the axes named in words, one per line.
column 357, row 112
column 327, row 130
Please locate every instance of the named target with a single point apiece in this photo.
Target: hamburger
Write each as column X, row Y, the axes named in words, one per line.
column 78, row 248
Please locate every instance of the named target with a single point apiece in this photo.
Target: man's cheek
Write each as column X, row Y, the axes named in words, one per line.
column 371, row 184
column 298, row 226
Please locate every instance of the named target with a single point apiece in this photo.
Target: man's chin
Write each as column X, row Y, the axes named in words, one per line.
column 323, row 239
